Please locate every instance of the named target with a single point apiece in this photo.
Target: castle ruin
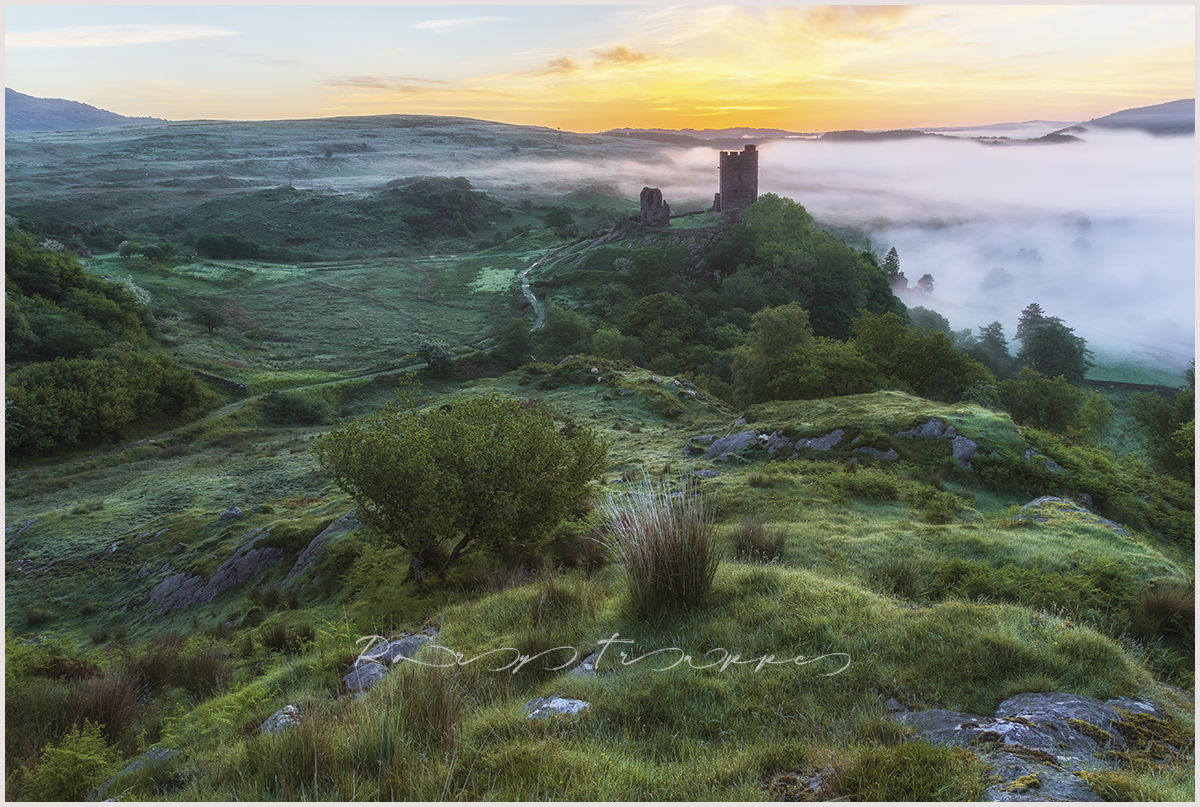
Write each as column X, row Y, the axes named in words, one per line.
column 739, row 180
column 655, row 212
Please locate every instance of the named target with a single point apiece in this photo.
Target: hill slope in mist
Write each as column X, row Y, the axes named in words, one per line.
column 27, row 113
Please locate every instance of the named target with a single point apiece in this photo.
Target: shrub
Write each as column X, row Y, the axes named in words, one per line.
column 113, row 703
column 1167, row 608
column 69, row 769
column 754, row 540
column 292, row 408
column 664, row 540
column 484, row 469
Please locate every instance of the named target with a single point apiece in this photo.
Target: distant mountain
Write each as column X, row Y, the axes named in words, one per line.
column 1171, row 118
column 25, row 113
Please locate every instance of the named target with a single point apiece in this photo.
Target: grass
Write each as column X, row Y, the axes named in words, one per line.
column 662, row 536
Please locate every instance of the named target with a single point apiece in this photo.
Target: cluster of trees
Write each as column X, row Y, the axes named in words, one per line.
column 81, row 365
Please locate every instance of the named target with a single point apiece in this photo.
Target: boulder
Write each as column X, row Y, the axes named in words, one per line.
column 722, row 448
column 824, row 443
column 183, row 589
column 542, row 708
column 285, row 718
column 231, row 512
column 364, row 676
column 963, row 449
column 890, row 454
column 152, row 756
column 395, row 651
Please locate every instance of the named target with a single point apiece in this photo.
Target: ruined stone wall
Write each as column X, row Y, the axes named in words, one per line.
column 654, row 212
column 739, row 180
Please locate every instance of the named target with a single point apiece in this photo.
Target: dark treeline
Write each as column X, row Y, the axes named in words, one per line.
column 81, row 363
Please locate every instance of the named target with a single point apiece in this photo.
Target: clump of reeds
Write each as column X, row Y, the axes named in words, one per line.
column 663, row 537
column 754, row 540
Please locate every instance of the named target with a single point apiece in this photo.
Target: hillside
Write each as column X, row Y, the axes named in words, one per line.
column 25, row 113
column 934, row 577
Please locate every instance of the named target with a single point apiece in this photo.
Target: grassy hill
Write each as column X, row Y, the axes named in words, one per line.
column 167, row 595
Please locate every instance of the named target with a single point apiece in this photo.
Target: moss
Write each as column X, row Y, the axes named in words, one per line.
column 1088, row 730
column 1149, row 739
column 1120, row 786
column 1027, row 754
column 1021, row 784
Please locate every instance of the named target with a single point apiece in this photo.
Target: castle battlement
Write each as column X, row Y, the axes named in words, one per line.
column 739, row 180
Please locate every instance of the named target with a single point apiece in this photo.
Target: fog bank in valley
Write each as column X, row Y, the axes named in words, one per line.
column 1111, row 218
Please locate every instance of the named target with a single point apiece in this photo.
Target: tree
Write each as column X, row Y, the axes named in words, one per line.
column 437, row 353
column 476, row 474
column 891, row 265
column 1169, row 428
column 1052, row 349
column 1055, row 405
column 925, row 284
column 778, row 338
column 559, row 219
column 992, row 350
column 209, row 318
column 1031, row 318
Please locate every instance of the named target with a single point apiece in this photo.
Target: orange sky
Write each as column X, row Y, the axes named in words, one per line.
column 590, row 68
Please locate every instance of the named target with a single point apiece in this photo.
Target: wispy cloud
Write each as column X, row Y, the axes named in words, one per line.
column 400, row 84
column 104, row 36
column 622, row 56
column 460, row 22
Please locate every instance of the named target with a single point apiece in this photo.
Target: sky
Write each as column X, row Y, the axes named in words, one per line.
column 588, row 68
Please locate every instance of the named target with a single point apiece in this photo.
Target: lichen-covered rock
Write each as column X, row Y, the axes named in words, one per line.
column 963, row 449
column 183, row 589
column 286, row 718
column 722, row 448
column 542, row 708
column 890, row 454
column 364, row 676
column 823, row 443
column 395, row 651
column 935, row 427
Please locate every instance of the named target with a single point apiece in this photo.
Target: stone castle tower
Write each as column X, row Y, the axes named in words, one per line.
column 654, row 211
column 739, row 180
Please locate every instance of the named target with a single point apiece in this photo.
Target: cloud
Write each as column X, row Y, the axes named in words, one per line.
column 461, row 22
column 101, row 36
column 621, row 56
column 395, row 84
column 563, row 66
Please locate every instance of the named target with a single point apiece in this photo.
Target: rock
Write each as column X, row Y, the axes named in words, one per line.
column 285, row 718
column 775, row 442
column 231, row 512
column 395, row 651
column 1058, row 707
column 152, row 756
column 143, row 572
column 963, row 449
column 707, row 474
column 720, row 449
column 927, row 431
column 587, row 667
column 14, row 531
column 890, row 454
column 1053, row 467
column 365, row 676
column 179, row 547
column 344, row 524
column 542, row 708
column 1026, row 780
column 1137, row 706
column 822, row 443
column 1051, row 508
column 1086, row 501
column 181, row 590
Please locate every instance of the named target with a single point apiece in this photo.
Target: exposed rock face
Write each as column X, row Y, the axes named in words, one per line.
column 722, row 448
column 343, row 524
column 1037, row 743
column 183, row 589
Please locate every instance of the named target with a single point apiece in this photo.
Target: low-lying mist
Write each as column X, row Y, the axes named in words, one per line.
column 1100, row 233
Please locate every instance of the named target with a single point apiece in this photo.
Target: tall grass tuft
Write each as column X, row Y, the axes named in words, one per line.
column 664, row 540
column 1167, row 608
column 753, row 540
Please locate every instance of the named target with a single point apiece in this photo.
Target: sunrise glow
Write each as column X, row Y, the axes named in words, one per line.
column 591, row 68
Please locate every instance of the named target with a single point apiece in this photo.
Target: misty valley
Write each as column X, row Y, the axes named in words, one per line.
column 431, row 458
